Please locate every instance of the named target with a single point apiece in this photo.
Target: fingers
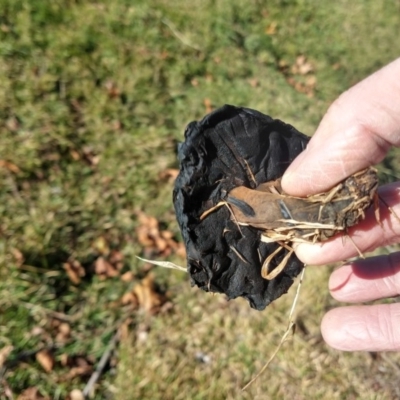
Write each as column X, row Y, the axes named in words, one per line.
column 366, row 328
column 366, row 236
column 356, row 132
column 367, row 280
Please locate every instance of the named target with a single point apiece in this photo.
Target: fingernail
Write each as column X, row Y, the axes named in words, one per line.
column 308, row 253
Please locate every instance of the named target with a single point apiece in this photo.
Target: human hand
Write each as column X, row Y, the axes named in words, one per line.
column 357, row 131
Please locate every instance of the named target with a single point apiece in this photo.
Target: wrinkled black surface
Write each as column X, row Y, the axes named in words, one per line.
column 218, row 153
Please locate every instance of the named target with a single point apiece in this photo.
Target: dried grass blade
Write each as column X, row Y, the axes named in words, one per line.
column 165, row 264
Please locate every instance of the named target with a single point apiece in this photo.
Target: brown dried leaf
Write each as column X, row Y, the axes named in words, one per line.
column 169, row 174
column 129, row 298
column 74, row 270
column 208, row 105
column 82, row 370
column 167, row 235
column 306, row 88
column 76, row 394
column 45, row 359
column 254, row 82
column 128, row 276
column 64, row 359
column 101, row 245
column 271, row 29
column 112, row 89
column 89, row 155
column 75, row 155
column 18, row 256
column 181, row 250
column 302, row 66
column 64, row 332
column 124, row 329
column 116, row 259
column 4, row 353
column 153, row 239
column 9, row 166
column 104, row 268
column 37, row 331
column 149, row 299
column 32, row 393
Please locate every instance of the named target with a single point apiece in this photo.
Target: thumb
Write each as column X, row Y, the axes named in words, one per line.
column 356, row 132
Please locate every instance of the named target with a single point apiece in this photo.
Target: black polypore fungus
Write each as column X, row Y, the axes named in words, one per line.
column 232, row 147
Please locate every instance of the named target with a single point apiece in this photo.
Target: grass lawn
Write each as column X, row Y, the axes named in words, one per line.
column 94, row 97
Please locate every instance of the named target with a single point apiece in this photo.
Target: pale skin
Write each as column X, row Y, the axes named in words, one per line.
column 356, row 132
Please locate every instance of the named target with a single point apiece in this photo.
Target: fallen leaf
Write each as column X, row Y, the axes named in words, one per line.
column 9, row 166
column 78, row 366
column 37, row 331
column 101, row 245
column 112, row 89
column 129, row 298
column 76, row 394
column 180, row 251
column 124, row 329
column 306, row 87
column 155, row 241
column 74, row 270
column 90, row 156
column 32, row 393
column 148, row 297
column 271, row 29
column 18, row 256
column 82, row 370
column 4, row 353
column 208, row 105
column 302, row 66
column 64, row 359
column 128, row 276
column 45, row 359
column 116, row 259
column 64, row 332
column 75, row 155
column 104, row 268
column 169, row 174
column 254, row 82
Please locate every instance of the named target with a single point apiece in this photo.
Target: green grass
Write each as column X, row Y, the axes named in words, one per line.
column 94, row 98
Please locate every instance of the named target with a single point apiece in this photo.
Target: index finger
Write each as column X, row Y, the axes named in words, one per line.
column 356, row 132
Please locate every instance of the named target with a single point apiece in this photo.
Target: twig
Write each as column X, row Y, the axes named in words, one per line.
column 55, row 314
column 179, row 35
column 102, row 363
column 289, row 329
